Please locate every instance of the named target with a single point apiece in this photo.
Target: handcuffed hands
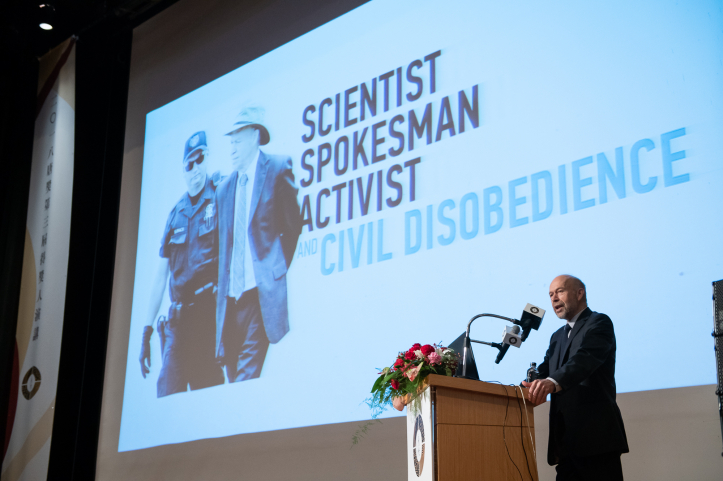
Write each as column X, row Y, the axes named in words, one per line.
column 146, row 351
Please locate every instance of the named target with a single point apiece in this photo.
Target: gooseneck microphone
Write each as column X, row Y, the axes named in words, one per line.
column 467, row 340
column 531, row 319
column 509, row 341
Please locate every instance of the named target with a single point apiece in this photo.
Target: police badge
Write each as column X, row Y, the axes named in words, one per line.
column 208, row 217
column 194, row 140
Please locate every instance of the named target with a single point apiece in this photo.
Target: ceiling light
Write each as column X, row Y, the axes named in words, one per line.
column 46, row 14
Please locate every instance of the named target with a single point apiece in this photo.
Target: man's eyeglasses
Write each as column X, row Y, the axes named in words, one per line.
column 189, row 163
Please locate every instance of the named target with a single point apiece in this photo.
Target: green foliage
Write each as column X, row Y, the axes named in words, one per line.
column 360, row 433
column 407, row 375
column 383, row 391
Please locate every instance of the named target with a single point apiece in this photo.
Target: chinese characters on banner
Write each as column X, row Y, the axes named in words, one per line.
column 44, row 275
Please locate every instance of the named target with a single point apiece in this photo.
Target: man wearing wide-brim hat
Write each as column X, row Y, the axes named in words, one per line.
column 258, row 226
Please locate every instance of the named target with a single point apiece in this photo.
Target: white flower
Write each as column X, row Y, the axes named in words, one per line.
column 412, row 373
column 419, row 354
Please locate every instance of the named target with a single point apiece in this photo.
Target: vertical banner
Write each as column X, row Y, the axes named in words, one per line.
column 45, row 272
column 420, row 456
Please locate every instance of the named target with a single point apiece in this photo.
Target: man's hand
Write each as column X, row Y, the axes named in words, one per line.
column 398, row 403
column 539, row 389
column 146, row 351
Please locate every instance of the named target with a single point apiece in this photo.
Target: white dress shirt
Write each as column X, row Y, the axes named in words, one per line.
column 249, row 278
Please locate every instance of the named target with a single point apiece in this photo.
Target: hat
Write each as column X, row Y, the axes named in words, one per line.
column 196, row 142
column 251, row 117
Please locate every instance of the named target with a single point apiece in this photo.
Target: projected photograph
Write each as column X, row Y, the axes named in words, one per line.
column 224, row 254
column 385, row 177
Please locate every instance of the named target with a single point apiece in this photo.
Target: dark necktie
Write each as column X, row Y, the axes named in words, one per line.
column 565, row 342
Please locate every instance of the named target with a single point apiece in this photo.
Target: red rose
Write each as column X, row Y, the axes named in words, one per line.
column 427, row 349
column 395, row 384
column 415, row 347
column 410, row 356
column 399, row 363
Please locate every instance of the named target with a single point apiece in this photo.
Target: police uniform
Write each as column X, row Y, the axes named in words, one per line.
column 188, row 334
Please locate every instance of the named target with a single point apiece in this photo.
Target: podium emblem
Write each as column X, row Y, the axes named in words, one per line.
column 31, row 383
column 418, row 445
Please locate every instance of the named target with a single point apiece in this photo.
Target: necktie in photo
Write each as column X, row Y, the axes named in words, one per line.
column 239, row 236
column 565, row 342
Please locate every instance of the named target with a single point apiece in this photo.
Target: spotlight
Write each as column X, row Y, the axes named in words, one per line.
column 45, row 16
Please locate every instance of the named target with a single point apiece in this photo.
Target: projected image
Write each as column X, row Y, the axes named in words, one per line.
column 225, row 250
column 354, row 191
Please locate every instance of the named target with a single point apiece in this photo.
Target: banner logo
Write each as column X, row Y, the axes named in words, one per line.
column 418, row 445
column 31, row 383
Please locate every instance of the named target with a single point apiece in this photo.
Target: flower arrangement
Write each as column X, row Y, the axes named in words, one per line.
column 408, row 373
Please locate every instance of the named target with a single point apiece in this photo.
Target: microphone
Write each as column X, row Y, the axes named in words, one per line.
column 531, row 319
column 511, row 338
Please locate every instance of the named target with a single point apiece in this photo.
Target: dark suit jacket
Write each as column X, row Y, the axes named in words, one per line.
column 273, row 231
column 584, row 417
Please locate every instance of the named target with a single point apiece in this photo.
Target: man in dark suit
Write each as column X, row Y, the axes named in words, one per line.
column 587, row 435
column 259, row 223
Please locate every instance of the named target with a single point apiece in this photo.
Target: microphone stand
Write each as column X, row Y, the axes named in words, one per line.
column 467, row 340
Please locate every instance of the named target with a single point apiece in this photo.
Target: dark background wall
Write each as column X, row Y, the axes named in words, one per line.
column 18, row 83
column 103, row 43
column 102, row 67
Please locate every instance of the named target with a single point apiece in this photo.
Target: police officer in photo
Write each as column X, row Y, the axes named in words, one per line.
column 189, row 254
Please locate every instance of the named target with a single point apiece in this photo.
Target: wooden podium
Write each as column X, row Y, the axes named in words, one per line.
column 471, row 430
